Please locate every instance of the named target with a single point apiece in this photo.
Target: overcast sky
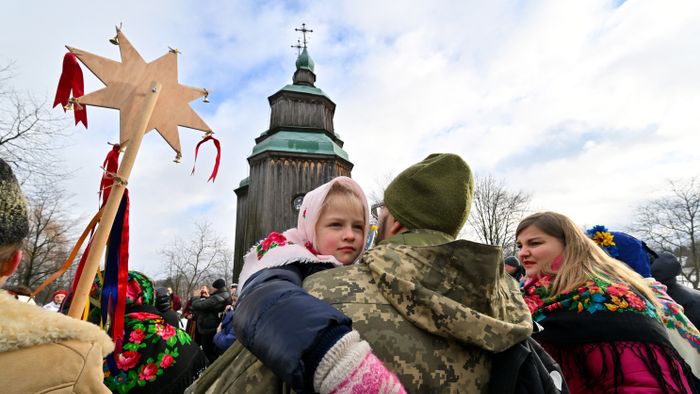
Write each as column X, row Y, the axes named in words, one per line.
column 590, row 106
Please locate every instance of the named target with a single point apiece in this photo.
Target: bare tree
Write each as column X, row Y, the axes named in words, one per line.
column 381, row 181
column 29, row 132
column 496, row 212
column 672, row 224
column 49, row 241
column 201, row 259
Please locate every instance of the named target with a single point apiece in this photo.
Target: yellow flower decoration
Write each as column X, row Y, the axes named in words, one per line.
column 604, row 239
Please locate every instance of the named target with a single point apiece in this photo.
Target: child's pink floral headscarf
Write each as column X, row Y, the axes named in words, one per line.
column 299, row 243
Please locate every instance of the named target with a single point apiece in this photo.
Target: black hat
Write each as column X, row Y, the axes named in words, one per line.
column 219, row 283
column 162, row 299
column 512, row 261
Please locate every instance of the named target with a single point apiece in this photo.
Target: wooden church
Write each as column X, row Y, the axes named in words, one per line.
column 297, row 153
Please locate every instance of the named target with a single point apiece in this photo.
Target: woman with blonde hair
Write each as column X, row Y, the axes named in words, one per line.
column 601, row 320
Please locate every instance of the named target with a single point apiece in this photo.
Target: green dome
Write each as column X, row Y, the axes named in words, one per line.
column 304, row 61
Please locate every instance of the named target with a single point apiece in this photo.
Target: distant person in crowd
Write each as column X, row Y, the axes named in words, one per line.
column 187, row 313
column 514, row 268
column 682, row 333
column 208, row 309
column 433, row 308
column 666, row 268
column 601, row 319
column 40, row 351
column 234, row 289
column 163, row 304
column 225, row 333
column 156, row 357
column 56, row 300
column 21, row 293
column 176, row 302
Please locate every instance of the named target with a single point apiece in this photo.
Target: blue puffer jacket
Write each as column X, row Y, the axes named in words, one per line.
column 284, row 326
column 227, row 336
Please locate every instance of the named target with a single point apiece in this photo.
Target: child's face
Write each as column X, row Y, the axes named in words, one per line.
column 340, row 230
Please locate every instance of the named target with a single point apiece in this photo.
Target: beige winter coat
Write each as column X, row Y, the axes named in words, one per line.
column 46, row 352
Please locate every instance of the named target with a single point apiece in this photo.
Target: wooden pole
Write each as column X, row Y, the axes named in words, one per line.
column 82, row 290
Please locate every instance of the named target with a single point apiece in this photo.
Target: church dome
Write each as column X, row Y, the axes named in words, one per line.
column 304, row 61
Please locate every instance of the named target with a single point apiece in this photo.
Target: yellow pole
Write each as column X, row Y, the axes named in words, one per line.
column 82, row 290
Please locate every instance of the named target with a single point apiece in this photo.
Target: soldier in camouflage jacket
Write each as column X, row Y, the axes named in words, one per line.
column 433, row 308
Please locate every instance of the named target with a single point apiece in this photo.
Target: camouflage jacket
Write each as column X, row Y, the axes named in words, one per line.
column 433, row 309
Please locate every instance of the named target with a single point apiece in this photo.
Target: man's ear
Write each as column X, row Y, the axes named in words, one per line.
column 9, row 266
column 396, row 228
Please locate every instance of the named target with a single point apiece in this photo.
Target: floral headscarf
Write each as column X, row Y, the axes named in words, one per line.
column 299, row 243
column 155, row 357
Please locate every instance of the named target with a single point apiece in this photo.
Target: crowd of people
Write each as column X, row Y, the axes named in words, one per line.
column 420, row 312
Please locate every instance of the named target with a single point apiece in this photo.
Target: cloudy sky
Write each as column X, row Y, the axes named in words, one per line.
column 590, row 106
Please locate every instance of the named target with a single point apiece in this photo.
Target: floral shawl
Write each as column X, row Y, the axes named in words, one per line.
column 601, row 316
column 298, row 244
column 595, row 295
column 684, row 336
column 156, row 357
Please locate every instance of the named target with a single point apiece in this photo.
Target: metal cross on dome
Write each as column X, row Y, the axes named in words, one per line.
column 298, row 47
column 303, row 31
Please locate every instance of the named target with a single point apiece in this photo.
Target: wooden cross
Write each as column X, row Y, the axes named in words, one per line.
column 298, row 47
column 303, row 31
column 148, row 96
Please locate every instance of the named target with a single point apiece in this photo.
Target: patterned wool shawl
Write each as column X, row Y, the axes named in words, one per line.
column 596, row 295
column 156, row 357
column 673, row 316
column 604, row 316
column 299, row 244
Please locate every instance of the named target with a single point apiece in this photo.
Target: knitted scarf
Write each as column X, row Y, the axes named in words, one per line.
column 299, row 244
column 156, row 356
column 602, row 316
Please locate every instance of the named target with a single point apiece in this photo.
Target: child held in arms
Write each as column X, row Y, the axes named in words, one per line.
column 322, row 352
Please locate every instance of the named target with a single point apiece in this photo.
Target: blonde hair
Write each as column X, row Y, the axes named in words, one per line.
column 582, row 258
column 347, row 198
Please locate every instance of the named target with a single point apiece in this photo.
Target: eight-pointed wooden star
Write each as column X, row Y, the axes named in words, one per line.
column 126, row 86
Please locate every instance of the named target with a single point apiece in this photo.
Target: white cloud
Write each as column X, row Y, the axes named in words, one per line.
column 588, row 106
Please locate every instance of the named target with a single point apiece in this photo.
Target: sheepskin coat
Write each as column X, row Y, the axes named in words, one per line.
column 46, row 352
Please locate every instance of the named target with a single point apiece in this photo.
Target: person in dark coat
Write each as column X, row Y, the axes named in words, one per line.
column 163, row 306
column 513, row 267
column 226, row 334
column 208, row 309
column 665, row 269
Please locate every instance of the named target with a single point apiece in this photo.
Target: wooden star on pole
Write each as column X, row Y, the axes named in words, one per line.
column 125, row 83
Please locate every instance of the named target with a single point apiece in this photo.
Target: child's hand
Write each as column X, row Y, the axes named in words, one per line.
column 351, row 367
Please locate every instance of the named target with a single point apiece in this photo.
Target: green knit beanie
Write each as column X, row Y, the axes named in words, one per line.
column 14, row 223
column 435, row 194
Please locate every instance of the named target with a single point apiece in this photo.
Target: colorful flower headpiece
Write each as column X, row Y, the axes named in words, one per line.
column 603, row 238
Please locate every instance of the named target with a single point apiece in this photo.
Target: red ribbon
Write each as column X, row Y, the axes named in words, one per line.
column 215, row 171
column 110, row 165
column 71, row 80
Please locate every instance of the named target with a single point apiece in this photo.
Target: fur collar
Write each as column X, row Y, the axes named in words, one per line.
column 24, row 325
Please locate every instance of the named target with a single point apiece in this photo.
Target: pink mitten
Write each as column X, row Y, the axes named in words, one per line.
column 351, row 367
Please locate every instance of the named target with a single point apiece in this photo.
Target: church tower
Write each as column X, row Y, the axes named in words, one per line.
column 297, row 153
